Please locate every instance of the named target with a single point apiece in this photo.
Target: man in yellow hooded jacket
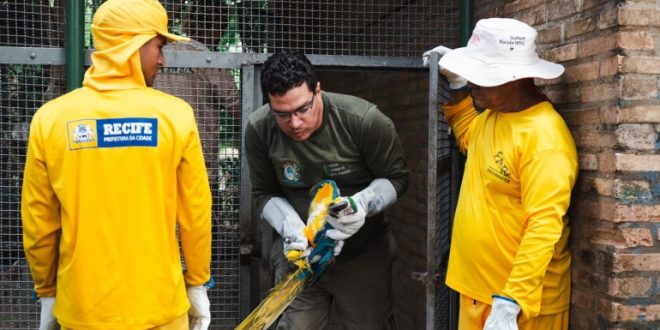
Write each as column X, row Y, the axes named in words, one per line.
column 112, row 168
column 509, row 257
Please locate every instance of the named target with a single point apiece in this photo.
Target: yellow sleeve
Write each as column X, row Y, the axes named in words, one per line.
column 547, row 179
column 194, row 212
column 460, row 116
column 40, row 216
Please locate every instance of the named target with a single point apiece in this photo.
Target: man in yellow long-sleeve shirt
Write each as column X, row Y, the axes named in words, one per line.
column 112, row 168
column 509, row 257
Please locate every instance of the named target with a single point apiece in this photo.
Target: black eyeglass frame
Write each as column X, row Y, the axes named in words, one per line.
column 286, row 116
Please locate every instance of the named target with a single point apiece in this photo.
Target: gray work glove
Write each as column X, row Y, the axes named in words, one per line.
column 284, row 219
column 47, row 320
column 200, row 307
column 455, row 81
column 503, row 314
column 375, row 198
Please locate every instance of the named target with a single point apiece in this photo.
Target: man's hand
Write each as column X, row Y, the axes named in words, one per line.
column 455, row 81
column 348, row 220
column 284, row 219
column 503, row 314
column 200, row 307
column 294, row 239
column 47, row 320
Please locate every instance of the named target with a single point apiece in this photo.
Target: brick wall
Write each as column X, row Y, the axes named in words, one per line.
column 610, row 98
column 403, row 97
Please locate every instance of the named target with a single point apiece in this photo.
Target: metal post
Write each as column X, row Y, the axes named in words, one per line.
column 431, row 193
column 74, row 43
column 465, row 21
column 458, row 160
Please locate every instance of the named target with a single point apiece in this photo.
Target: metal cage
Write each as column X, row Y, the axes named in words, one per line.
column 217, row 74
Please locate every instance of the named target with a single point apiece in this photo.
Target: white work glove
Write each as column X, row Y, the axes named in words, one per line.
column 503, row 314
column 200, row 307
column 284, row 219
column 379, row 195
column 346, row 224
column 47, row 320
column 455, row 81
column 337, row 249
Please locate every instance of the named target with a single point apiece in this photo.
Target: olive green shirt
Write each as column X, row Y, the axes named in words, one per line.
column 355, row 144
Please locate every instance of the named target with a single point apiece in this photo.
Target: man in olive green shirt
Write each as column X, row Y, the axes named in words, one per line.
column 303, row 136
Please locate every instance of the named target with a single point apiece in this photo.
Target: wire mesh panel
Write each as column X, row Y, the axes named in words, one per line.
column 32, row 23
column 443, row 224
column 23, row 89
column 324, row 27
column 215, row 98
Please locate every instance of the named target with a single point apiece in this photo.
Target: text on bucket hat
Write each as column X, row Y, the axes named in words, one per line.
column 500, row 50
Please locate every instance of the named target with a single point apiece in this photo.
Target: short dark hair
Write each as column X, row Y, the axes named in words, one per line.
column 286, row 70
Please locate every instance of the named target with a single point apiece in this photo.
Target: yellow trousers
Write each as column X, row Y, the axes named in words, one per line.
column 179, row 323
column 472, row 315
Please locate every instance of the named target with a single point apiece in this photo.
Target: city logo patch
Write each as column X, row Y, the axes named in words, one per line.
column 112, row 133
column 82, row 134
column 127, row 132
column 501, row 171
column 291, row 171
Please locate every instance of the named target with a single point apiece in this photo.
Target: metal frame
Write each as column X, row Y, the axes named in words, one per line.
column 431, row 188
column 209, row 60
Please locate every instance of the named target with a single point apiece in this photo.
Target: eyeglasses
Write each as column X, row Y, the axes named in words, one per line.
column 286, row 116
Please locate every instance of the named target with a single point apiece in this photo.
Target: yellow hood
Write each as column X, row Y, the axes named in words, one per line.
column 120, row 28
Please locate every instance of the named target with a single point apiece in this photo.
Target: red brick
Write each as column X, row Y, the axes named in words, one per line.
column 518, row 5
column 549, row 35
column 600, row 92
column 616, row 312
column 635, row 40
column 591, row 138
column 648, row 65
column 637, row 163
column 647, row 16
column 562, row 8
column 588, row 161
column 609, row 209
column 604, row 187
column 581, row 72
column 579, row 27
column 637, row 136
column 580, row 117
column 562, row 54
column 535, row 16
column 622, row 238
column 640, row 114
column 634, row 287
column 632, row 189
column 649, row 262
column 608, row 18
column 610, row 66
column 598, row 45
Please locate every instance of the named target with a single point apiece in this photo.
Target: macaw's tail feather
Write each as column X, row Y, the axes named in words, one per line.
column 279, row 298
column 310, row 268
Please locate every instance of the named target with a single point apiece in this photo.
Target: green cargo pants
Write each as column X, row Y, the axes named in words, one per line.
column 351, row 294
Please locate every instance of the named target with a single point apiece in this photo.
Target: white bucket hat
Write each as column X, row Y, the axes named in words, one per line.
column 500, row 50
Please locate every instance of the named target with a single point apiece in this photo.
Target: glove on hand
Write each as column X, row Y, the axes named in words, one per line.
column 284, row 219
column 503, row 314
column 47, row 320
column 350, row 220
column 455, row 81
column 200, row 307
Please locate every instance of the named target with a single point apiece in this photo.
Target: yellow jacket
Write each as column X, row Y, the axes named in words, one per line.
column 510, row 232
column 116, row 171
